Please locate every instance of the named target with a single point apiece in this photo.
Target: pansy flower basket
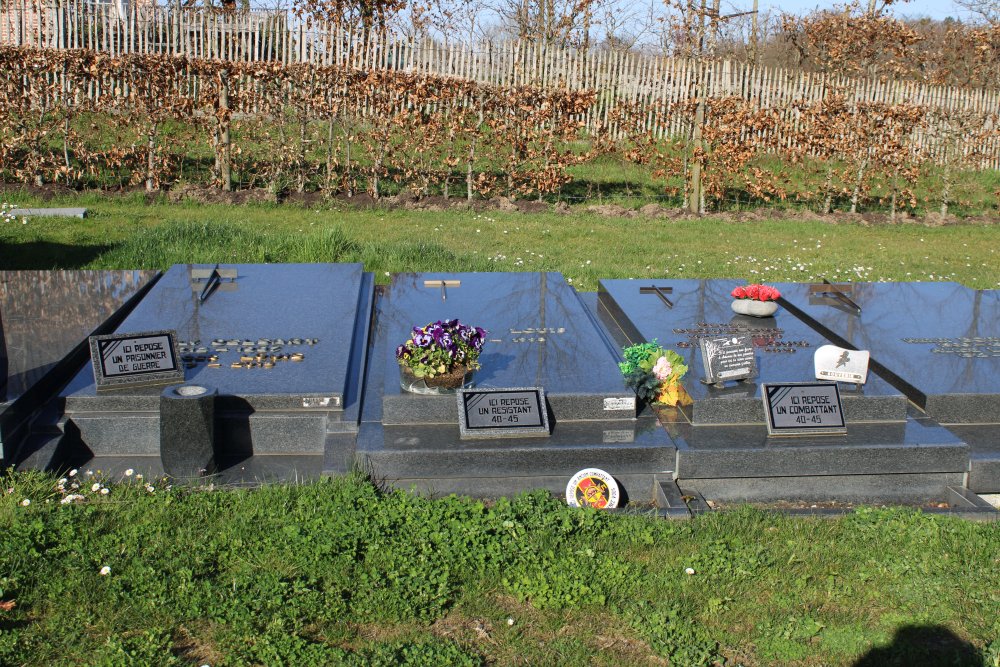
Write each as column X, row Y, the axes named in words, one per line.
column 655, row 374
column 441, row 354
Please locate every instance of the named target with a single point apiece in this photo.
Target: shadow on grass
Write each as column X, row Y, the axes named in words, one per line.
column 45, row 255
column 923, row 646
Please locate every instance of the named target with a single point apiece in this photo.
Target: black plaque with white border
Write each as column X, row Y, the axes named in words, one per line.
column 510, row 412
column 803, row 408
column 138, row 359
column 728, row 358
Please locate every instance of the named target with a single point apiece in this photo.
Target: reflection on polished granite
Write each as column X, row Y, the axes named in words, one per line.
column 784, row 347
column 539, row 336
column 937, row 342
column 45, row 314
column 283, row 301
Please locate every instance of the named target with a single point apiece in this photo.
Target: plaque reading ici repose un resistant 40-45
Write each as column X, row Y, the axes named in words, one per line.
column 502, row 413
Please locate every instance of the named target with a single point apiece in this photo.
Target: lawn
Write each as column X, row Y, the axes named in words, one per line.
column 337, row 572
column 341, row 572
column 125, row 232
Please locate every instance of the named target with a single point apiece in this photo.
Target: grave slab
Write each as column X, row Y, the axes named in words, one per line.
column 888, row 448
column 679, row 313
column 279, row 343
column 540, row 335
column 939, row 343
column 45, row 319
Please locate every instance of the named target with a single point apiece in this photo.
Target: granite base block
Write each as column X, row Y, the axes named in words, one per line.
column 243, row 435
column 402, row 409
column 269, row 468
column 964, row 408
column 120, row 434
column 635, row 488
column 914, row 446
column 744, row 409
column 906, row 488
column 438, row 452
column 984, row 456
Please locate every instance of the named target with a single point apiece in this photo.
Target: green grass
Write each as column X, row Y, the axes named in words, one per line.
column 336, row 572
column 128, row 233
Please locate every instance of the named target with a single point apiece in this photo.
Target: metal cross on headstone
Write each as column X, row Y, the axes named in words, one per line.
column 838, row 292
column 444, row 285
column 661, row 292
column 209, row 280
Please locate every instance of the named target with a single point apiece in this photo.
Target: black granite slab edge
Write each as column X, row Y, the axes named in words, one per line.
column 15, row 416
column 614, row 321
column 903, row 488
column 964, row 408
column 354, row 392
column 432, row 452
column 589, row 300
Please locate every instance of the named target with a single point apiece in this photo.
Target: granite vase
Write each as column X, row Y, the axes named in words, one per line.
column 755, row 308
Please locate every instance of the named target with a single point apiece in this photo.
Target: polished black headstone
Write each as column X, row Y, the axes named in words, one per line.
column 702, row 308
column 540, row 335
column 268, row 312
column 45, row 319
column 937, row 342
column 45, row 314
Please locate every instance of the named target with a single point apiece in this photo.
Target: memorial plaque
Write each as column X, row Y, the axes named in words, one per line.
column 728, row 358
column 841, row 365
column 139, row 359
column 699, row 310
column 939, row 343
column 804, row 408
column 502, row 413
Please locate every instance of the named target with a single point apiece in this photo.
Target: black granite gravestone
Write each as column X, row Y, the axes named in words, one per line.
column 283, row 346
column 46, row 318
column 723, row 449
column 540, row 335
column 939, row 343
column 701, row 309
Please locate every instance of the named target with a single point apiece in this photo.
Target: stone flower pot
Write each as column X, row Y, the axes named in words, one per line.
column 755, row 308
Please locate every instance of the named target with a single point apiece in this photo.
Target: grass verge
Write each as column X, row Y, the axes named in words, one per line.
column 128, row 233
column 337, row 572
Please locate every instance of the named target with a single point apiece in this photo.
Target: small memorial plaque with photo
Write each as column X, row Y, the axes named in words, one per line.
column 728, row 358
